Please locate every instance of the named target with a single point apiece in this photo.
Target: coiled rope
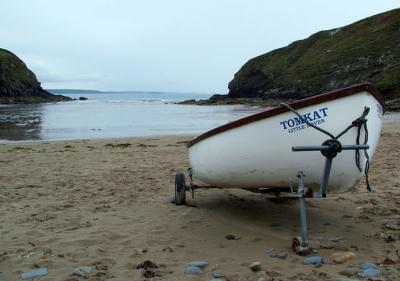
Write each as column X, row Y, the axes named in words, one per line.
column 360, row 122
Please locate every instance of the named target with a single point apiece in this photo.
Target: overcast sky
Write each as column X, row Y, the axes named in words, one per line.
column 163, row 45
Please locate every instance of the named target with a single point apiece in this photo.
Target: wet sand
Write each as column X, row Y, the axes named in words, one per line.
column 105, row 204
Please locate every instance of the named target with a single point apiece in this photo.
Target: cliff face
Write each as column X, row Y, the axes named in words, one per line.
column 19, row 85
column 365, row 51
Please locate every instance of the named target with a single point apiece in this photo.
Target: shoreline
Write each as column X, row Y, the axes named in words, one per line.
column 392, row 105
column 389, row 117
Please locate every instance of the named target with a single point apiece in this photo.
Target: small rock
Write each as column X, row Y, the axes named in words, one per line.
column 200, row 264
column 346, row 279
column 231, row 237
column 367, row 265
column 348, row 272
column 81, row 271
column 369, row 272
column 34, row 273
column 336, row 239
column 255, row 266
column 342, row 257
column 276, row 254
column 390, row 224
column 217, row 274
column 193, row 270
column 316, row 260
column 146, row 265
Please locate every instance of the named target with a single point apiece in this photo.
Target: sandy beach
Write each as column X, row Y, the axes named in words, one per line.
column 105, row 204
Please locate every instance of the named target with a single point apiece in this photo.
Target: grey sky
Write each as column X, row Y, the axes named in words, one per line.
column 174, row 45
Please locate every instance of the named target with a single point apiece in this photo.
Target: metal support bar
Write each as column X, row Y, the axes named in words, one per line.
column 324, row 147
column 325, row 176
column 303, row 214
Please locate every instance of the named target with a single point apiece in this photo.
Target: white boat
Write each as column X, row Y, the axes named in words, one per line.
column 256, row 151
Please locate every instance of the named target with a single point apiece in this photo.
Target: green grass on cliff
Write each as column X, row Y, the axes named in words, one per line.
column 13, row 68
column 368, row 50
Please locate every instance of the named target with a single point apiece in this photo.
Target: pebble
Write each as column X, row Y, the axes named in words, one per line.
column 81, row 271
column 316, row 260
column 276, row 254
column 217, row 274
column 200, row 264
column 367, row 265
column 193, row 270
column 337, row 239
column 230, row 237
column 369, row 272
column 34, row 273
column 390, row 224
column 342, row 257
column 348, row 272
column 255, row 266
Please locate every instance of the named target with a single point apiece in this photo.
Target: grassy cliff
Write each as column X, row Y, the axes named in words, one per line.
column 18, row 84
column 367, row 50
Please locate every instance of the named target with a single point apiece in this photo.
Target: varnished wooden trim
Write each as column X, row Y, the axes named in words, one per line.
column 332, row 95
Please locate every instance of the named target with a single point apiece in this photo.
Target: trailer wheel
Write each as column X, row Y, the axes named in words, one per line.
column 180, row 189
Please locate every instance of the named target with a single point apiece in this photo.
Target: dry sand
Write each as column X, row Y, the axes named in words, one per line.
column 105, row 204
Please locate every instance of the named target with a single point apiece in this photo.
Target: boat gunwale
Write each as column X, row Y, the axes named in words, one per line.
column 320, row 98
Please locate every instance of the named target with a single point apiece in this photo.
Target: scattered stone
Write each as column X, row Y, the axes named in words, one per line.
column 168, row 249
column 146, row 265
column 389, row 239
column 81, row 271
column 342, row 257
column 34, row 273
column 369, row 272
column 255, row 266
column 200, row 264
column 193, row 270
column 276, row 254
column 148, row 269
column 217, row 274
column 348, row 272
column 140, row 251
column 367, row 265
column 230, row 237
column 390, row 224
column 336, row 239
column 316, row 260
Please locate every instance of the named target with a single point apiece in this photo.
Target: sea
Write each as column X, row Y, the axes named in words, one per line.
column 114, row 115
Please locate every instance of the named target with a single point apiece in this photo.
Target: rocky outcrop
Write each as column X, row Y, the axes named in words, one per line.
column 19, row 85
column 365, row 51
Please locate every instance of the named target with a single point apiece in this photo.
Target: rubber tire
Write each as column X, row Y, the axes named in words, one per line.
column 180, row 189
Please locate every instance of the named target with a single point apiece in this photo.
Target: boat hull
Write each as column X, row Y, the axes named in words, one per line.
column 259, row 154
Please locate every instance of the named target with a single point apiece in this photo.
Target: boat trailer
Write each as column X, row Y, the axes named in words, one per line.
column 329, row 149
